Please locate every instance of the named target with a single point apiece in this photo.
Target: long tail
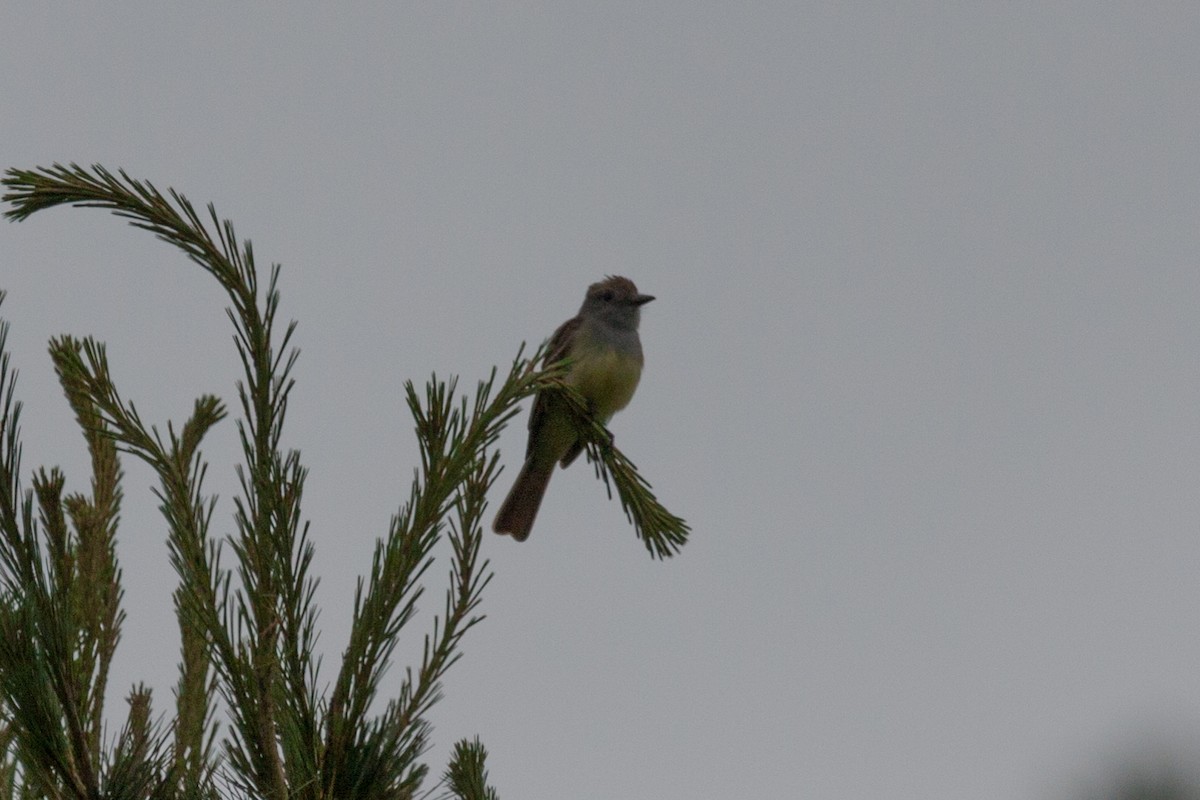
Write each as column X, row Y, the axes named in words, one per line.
column 520, row 508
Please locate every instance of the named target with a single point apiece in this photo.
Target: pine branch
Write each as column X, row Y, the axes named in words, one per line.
column 84, row 371
column 456, row 471
column 94, row 588
column 261, row 667
column 60, row 619
column 466, row 777
column 663, row 533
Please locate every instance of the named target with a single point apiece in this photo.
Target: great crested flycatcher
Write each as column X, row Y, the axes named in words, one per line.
column 605, row 355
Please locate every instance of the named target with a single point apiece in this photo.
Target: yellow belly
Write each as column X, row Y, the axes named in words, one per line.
column 606, row 380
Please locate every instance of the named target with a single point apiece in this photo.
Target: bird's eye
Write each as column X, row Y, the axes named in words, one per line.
column 607, row 296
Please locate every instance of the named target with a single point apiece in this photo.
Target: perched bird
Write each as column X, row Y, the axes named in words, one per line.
column 605, row 365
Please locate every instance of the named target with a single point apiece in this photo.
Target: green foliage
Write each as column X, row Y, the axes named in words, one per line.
column 663, row 533
column 466, row 777
column 248, row 631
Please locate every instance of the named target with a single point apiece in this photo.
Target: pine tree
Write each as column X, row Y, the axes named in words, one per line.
column 247, row 632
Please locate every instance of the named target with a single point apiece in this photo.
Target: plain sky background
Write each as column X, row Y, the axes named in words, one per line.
column 922, row 374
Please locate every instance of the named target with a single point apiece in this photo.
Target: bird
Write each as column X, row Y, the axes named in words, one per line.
column 605, row 361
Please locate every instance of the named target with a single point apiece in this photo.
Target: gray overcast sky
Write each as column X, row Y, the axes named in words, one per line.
column 922, row 373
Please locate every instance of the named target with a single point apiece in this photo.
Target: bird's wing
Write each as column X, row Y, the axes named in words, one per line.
column 560, row 346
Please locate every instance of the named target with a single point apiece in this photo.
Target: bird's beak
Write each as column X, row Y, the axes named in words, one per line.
column 642, row 299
